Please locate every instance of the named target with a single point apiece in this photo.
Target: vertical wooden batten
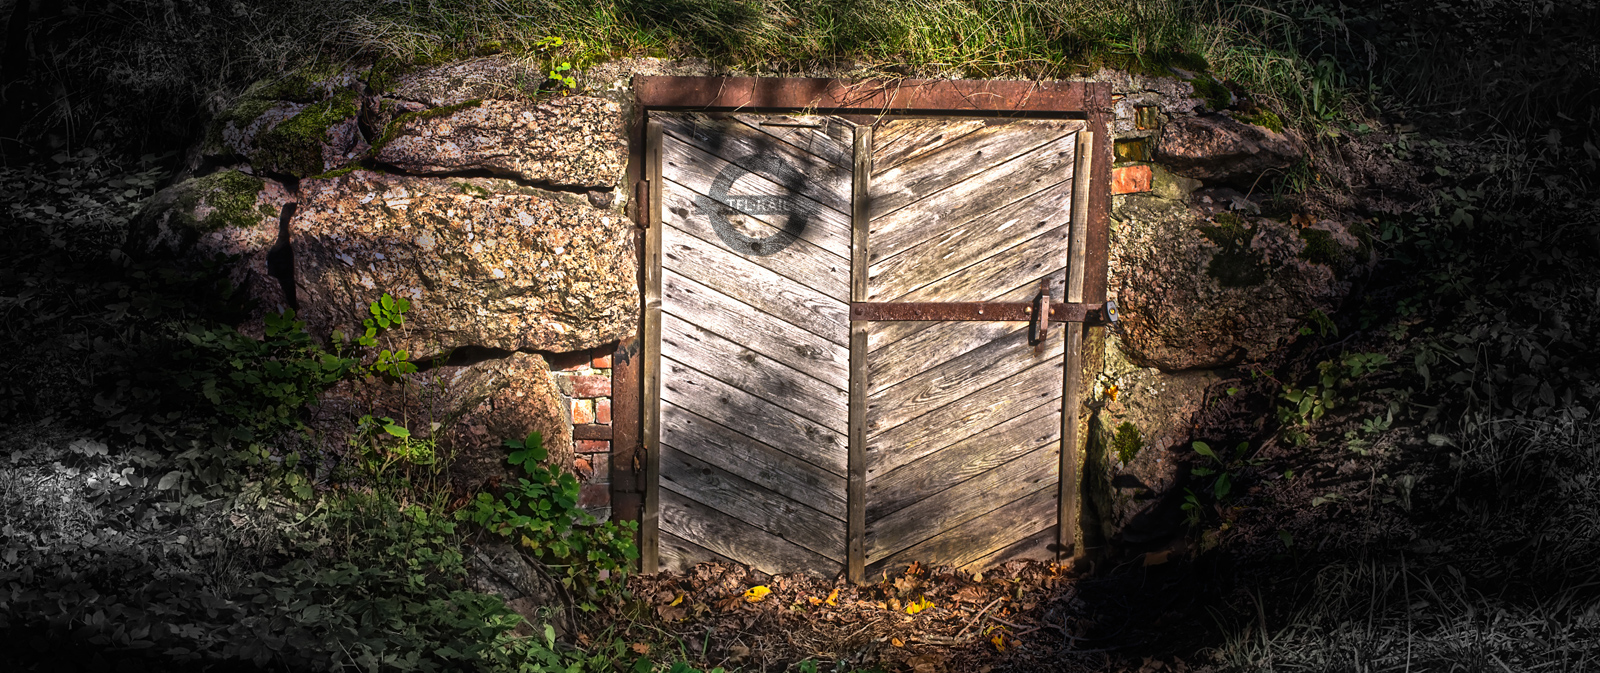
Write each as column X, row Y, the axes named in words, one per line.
column 1067, row 500
column 856, row 496
column 650, row 378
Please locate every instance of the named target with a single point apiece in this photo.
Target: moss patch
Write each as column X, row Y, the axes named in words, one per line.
column 1235, row 264
column 1216, row 95
column 295, row 146
column 1126, row 442
column 1264, row 118
column 231, row 195
column 393, row 129
column 1320, row 247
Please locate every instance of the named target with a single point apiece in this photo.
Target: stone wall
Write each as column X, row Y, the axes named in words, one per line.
column 500, row 213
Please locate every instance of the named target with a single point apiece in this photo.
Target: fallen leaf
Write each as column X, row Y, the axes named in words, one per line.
column 1156, row 558
column 977, row 577
column 676, row 601
column 756, row 593
column 926, row 663
column 894, row 604
column 672, row 613
column 833, row 598
column 640, row 648
column 920, row 605
column 999, row 642
column 738, row 653
column 897, row 642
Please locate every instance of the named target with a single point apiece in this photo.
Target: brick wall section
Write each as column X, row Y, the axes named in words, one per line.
column 586, row 391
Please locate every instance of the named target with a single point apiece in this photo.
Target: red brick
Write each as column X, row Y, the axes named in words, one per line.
column 602, row 411
column 583, row 467
column 601, row 361
column 582, row 412
column 595, row 495
column 592, row 446
column 591, row 386
column 599, row 467
column 1130, row 179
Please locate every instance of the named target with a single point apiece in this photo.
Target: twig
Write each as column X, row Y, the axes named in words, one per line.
column 976, row 616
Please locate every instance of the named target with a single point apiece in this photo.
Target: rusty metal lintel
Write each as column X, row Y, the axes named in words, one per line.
column 975, row 310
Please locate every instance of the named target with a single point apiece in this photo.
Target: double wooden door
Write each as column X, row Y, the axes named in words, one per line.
column 823, row 388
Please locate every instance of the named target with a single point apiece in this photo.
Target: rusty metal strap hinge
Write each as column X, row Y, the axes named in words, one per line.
column 976, row 310
column 641, row 200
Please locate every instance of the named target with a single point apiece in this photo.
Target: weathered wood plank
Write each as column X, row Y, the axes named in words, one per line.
column 1067, row 499
column 753, row 372
column 759, row 463
column 940, row 342
column 981, row 452
column 737, row 540
column 697, row 171
column 680, row 556
column 650, row 374
column 1018, row 266
column 722, row 315
column 985, row 192
column 938, row 512
column 901, row 139
column 705, row 483
column 981, row 536
column 1039, row 546
column 755, row 152
column 985, row 240
column 960, row 419
column 756, row 286
column 753, row 417
column 799, row 260
column 827, row 137
column 950, row 380
column 952, row 161
column 857, row 521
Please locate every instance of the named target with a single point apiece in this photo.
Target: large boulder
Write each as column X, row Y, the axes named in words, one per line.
column 227, row 213
column 499, row 77
column 484, row 262
column 1198, row 291
column 573, row 141
column 1219, row 149
column 305, row 124
column 467, row 411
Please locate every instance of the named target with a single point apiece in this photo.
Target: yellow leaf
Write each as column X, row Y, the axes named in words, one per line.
column 676, row 601
column 833, row 598
column 756, row 593
column 1111, row 392
column 814, row 600
column 920, row 605
column 897, row 642
column 999, row 642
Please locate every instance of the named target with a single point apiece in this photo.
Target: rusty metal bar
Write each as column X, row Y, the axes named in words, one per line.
column 975, row 310
column 828, row 96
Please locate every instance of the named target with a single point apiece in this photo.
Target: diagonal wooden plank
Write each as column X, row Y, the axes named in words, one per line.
column 978, row 537
column 763, row 465
column 726, row 317
column 737, row 540
column 897, row 140
column 948, row 381
column 714, row 487
column 753, row 372
column 697, row 171
column 965, row 459
column 939, row 342
column 756, row 286
column 1028, row 260
column 983, row 193
column 1040, row 546
column 791, row 255
column 752, row 416
column 938, row 512
column 986, row 239
column 755, row 152
column 971, row 414
column 956, row 160
column 680, row 556
column 827, row 137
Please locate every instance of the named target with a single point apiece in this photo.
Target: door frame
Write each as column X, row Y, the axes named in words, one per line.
column 635, row 373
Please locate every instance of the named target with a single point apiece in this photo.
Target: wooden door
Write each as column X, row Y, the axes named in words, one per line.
column 793, row 439
column 754, row 340
column 963, row 418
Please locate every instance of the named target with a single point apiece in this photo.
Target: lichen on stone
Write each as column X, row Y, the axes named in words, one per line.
column 393, row 129
column 1234, row 264
column 229, row 195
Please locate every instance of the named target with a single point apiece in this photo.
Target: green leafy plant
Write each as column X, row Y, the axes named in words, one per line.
column 1309, row 404
column 541, row 513
column 1223, row 467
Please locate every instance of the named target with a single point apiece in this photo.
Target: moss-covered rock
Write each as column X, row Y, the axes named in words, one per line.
column 300, row 125
column 320, row 137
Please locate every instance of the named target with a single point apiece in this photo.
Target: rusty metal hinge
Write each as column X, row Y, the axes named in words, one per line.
column 641, row 200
